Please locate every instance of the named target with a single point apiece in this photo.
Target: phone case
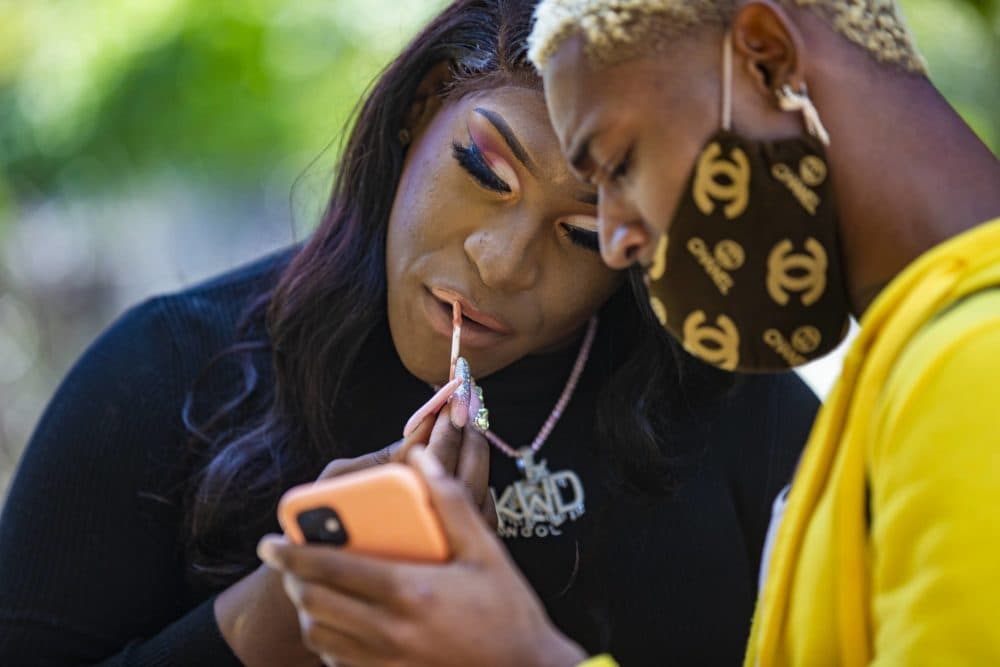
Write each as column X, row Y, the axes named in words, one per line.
column 382, row 511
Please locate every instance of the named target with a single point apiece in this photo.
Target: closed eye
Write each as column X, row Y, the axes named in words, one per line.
column 471, row 159
column 584, row 238
column 619, row 172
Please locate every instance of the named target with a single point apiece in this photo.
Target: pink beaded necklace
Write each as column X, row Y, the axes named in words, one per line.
column 557, row 411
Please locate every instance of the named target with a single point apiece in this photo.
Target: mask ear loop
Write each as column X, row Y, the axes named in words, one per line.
column 727, row 81
column 789, row 100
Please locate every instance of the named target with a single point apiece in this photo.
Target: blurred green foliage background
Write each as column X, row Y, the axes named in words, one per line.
column 145, row 144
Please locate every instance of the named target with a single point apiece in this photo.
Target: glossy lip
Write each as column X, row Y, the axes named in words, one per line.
column 469, row 311
column 474, row 334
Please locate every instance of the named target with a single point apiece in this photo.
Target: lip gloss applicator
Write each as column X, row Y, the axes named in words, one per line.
column 455, row 385
column 456, row 335
column 463, row 398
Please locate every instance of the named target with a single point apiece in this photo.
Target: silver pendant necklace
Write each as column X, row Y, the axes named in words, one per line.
column 541, row 503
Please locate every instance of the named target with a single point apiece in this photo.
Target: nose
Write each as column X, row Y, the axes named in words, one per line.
column 624, row 238
column 505, row 252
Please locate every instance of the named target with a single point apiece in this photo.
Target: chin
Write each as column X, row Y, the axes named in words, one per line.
column 431, row 372
column 431, row 369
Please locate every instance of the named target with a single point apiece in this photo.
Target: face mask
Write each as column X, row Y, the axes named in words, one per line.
column 750, row 277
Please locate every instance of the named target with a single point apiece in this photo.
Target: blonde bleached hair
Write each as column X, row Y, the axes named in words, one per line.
column 616, row 30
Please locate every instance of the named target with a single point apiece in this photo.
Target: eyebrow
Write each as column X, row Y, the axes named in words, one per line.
column 579, row 159
column 508, row 135
column 581, row 154
column 518, row 150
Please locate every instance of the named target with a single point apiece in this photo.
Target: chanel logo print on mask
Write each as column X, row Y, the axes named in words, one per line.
column 717, row 345
column 725, row 180
column 796, row 272
column 748, row 276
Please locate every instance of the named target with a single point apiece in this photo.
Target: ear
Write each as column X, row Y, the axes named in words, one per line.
column 764, row 34
column 428, row 98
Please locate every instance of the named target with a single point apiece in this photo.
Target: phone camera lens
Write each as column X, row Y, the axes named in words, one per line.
column 322, row 525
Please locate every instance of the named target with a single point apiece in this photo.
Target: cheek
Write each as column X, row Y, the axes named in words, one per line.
column 580, row 289
column 657, row 193
column 418, row 213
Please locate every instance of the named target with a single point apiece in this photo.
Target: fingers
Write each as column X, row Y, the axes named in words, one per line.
column 393, row 452
column 474, row 457
column 445, row 442
column 420, row 435
column 419, row 427
column 333, row 646
column 431, row 407
column 473, row 468
column 489, row 512
column 329, row 607
column 468, row 536
column 367, row 578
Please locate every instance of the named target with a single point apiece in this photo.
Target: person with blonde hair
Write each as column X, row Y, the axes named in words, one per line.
column 775, row 167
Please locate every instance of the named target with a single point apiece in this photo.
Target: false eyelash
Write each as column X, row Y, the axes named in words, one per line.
column 582, row 237
column 471, row 159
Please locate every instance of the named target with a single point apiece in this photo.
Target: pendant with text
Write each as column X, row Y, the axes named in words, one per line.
column 541, row 503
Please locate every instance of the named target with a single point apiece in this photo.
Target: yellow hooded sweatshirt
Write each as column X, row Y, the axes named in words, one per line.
column 889, row 549
column 888, row 552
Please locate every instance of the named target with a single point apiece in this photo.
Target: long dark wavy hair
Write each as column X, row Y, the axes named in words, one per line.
column 309, row 327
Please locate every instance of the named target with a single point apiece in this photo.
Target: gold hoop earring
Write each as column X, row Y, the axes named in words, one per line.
column 789, row 100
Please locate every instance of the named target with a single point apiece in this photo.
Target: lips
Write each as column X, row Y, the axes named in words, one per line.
column 479, row 329
column 470, row 312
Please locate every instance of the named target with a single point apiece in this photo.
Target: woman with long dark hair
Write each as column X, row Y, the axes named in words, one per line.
column 737, row 126
column 130, row 531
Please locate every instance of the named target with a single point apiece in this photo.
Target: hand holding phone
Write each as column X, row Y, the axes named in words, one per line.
column 364, row 609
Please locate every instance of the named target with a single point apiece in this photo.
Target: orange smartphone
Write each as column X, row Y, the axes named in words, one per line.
column 383, row 511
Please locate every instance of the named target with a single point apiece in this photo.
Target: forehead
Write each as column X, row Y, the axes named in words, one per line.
column 568, row 80
column 584, row 97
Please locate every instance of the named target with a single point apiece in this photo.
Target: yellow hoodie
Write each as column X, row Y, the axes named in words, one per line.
column 888, row 552
column 889, row 549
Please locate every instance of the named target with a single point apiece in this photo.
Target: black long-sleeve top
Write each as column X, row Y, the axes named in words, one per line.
column 92, row 572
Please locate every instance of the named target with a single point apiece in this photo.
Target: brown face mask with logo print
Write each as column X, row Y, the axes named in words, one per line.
column 749, row 276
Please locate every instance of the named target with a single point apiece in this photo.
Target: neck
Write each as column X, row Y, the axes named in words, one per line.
column 908, row 172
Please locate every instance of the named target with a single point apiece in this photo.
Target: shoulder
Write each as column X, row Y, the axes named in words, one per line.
column 767, row 425
column 760, row 432
column 244, row 280
column 945, row 377
column 774, row 402
column 221, row 301
column 125, row 392
column 157, row 347
column 205, row 318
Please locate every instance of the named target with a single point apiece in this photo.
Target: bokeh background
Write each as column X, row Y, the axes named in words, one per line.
column 147, row 144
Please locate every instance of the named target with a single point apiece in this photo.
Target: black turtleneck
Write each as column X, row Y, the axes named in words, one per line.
column 91, row 569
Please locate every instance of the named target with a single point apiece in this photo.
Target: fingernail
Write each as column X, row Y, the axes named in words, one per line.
column 431, row 407
column 478, row 413
column 266, row 551
column 413, row 456
column 460, row 399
